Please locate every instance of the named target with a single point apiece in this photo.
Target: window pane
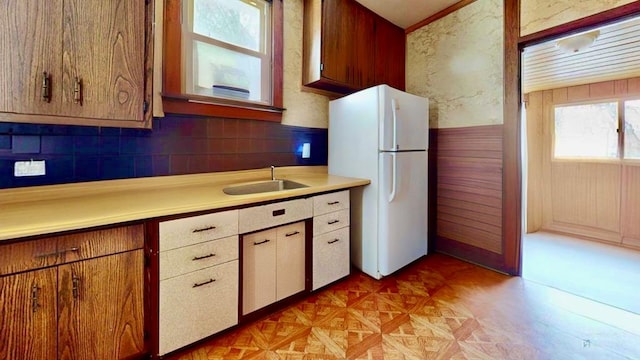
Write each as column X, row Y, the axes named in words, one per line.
column 632, row 129
column 232, row 21
column 234, row 75
column 586, row 131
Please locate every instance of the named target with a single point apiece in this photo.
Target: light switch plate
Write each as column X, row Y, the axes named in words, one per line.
column 29, row 168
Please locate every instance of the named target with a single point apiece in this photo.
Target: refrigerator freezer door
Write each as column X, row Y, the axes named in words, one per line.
column 404, row 120
column 402, row 211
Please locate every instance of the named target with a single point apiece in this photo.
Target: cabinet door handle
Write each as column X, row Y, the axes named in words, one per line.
column 46, row 87
column 59, row 252
column 331, row 222
column 77, row 91
column 204, row 229
column 333, row 241
column 261, row 242
column 204, row 283
column 75, row 282
column 196, row 258
column 34, row 298
column 333, row 203
column 292, row 233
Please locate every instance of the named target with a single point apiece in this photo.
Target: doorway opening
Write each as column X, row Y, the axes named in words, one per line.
column 581, row 164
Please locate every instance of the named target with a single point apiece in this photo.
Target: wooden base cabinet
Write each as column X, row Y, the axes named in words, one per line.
column 86, row 304
column 273, row 266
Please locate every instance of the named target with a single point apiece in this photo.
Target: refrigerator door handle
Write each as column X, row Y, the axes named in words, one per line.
column 394, row 113
column 394, row 177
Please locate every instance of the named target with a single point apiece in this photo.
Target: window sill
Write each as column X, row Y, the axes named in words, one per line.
column 200, row 105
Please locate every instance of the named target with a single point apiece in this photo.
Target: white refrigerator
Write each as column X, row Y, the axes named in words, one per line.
column 381, row 134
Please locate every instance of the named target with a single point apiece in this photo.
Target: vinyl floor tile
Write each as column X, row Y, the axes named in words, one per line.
column 436, row 308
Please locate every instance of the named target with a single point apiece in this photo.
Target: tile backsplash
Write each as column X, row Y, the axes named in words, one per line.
column 175, row 145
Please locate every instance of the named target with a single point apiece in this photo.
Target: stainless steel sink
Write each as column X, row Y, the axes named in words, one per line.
column 262, row 186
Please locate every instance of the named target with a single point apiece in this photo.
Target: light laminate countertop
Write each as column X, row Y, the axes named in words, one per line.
column 55, row 208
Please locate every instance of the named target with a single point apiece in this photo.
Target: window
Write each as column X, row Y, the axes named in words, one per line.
column 590, row 131
column 227, row 49
column 223, row 58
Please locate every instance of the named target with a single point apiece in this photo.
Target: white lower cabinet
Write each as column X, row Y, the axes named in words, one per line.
column 331, row 258
column 199, row 277
column 273, row 265
column 198, row 304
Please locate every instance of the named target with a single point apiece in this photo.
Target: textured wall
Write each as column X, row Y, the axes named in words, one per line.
column 457, row 62
column 536, row 15
column 303, row 108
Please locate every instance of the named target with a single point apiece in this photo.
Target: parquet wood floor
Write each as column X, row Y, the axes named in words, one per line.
column 437, row 308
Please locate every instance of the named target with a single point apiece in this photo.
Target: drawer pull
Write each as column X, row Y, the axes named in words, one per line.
column 331, row 222
column 34, row 298
column 333, row 241
column 278, row 212
column 333, row 203
column 292, row 233
column 196, row 258
column 204, row 229
column 261, row 242
column 204, row 283
column 56, row 253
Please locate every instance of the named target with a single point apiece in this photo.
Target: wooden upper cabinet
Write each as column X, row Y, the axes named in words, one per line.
column 29, row 30
column 78, row 62
column 345, row 48
column 390, row 54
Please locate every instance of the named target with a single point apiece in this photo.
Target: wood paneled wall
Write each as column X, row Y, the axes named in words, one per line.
column 468, row 188
column 597, row 199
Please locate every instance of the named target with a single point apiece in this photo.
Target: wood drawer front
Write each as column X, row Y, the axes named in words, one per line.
column 326, row 203
column 55, row 250
column 189, row 312
column 266, row 216
column 28, row 255
column 196, row 229
column 96, row 243
column 196, row 257
column 331, row 221
column 331, row 259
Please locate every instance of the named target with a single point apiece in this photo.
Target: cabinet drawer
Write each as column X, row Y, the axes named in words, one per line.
column 34, row 254
column 266, row 216
column 197, row 229
column 326, row 203
column 331, row 221
column 331, row 259
column 192, row 306
column 195, row 257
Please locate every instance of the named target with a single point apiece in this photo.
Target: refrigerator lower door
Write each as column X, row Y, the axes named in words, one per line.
column 402, row 211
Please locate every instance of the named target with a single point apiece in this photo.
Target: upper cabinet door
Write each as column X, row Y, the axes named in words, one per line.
column 103, row 59
column 338, row 24
column 390, row 54
column 30, row 29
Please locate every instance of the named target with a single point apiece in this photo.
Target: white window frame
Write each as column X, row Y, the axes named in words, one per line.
column 264, row 53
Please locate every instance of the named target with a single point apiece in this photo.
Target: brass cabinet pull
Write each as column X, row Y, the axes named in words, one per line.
column 204, row 283
column 204, row 229
column 292, row 233
column 333, row 203
column 46, row 87
column 77, row 91
column 331, row 222
column 196, row 258
column 34, row 298
column 75, row 281
column 261, row 242
column 333, row 241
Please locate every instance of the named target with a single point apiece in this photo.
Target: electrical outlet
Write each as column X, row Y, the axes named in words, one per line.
column 29, row 168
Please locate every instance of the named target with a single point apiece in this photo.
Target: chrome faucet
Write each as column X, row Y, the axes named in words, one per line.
column 273, row 175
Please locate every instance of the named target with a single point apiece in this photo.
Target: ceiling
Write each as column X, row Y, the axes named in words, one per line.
column 405, row 13
column 614, row 55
